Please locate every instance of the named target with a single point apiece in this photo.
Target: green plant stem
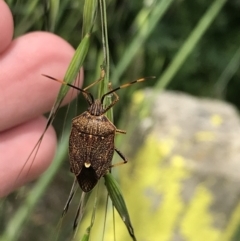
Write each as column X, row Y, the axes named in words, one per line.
column 190, row 43
column 227, row 74
column 155, row 13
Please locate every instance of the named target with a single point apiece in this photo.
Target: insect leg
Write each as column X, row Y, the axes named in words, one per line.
column 76, row 221
column 121, row 131
column 113, row 103
column 80, row 210
column 70, row 197
column 102, row 75
column 122, row 156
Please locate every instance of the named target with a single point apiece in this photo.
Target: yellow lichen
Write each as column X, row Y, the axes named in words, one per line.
column 154, row 191
column 197, row 223
column 205, row 136
column 216, row 120
column 178, row 161
column 138, row 97
column 233, row 225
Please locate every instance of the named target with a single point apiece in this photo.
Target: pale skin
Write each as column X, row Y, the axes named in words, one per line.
column 24, row 96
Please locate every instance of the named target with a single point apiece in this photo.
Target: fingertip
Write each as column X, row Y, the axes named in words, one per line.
column 6, row 26
column 16, row 166
column 25, row 92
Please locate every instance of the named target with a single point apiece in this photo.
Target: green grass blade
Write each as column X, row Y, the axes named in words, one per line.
column 103, row 87
column 81, row 52
column 150, row 18
column 118, row 202
column 227, row 74
column 190, row 43
column 73, row 69
column 89, row 15
column 86, row 235
column 83, row 202
column 53, row 14
column 28, row 20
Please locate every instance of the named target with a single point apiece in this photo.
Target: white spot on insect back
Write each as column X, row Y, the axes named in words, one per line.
column 87, row 164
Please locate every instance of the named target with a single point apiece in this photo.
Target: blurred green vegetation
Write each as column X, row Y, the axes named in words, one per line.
column 200, row 73
column 210, row 68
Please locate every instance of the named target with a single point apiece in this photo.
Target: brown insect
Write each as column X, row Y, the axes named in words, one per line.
column 91, row 142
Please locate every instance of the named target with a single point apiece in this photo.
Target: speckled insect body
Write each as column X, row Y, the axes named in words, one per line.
column 91, row 142
column 91, row 148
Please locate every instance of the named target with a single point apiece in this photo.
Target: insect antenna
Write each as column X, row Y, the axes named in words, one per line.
column 125, row 86
column 88, row 96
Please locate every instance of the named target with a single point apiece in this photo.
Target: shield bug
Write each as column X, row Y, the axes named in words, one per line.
column 91, row 142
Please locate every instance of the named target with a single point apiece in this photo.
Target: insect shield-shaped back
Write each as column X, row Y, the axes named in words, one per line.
column 91, row 146
column 91, row 142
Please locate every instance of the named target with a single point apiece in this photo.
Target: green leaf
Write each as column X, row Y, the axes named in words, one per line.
column 190, row 43
column 73, row 69
column 118, row 202
column 86, row 235
column 89, row 15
